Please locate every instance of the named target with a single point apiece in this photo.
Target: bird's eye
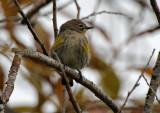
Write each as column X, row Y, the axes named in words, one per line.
column 80, row 25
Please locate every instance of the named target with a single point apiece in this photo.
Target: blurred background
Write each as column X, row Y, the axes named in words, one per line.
column 120, row 46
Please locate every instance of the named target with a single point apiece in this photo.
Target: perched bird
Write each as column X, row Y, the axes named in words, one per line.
column 71, row 46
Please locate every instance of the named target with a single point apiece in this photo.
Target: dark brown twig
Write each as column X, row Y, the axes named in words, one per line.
column 72, row 73
column 30, row 27
column 78, row 9
column 155, row 9
column 107, row 12
column 71, row 96
column 58, row 9
column 152, row 87
column 35, row 9
column 55, row 19
column 65, row 5
column 151, row 30
column 136, row 84
column 4, row 97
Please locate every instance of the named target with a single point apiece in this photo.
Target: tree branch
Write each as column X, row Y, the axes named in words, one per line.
column 72, row 73
column 107, row 12
column 151, row 30
column 78, row 8
column 36, row 9
column 152, row 87
column 71, row 97
column 155, row 9
column 55, row 19
column 4, row 97
column 30, row 27
column 68, row 87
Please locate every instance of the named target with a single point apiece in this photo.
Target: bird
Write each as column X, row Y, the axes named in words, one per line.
column 71, row 46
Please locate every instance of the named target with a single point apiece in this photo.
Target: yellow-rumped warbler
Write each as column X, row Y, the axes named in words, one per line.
column 71, row 46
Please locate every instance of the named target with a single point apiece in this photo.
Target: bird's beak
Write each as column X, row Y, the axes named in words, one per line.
column 89, row 27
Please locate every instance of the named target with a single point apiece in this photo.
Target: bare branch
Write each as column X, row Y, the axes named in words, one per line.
column 37, row 8
column 151, row 89
column 153, row 85
column 107, row 12
column 147, row 31
column 33, row 11
column 155, row 9
column 30, row 27
column 136, row 84
column 65, row 5
column 71, row 96
column 72, row 73
column 4, row 97
column 55, row 19
column 78, row 8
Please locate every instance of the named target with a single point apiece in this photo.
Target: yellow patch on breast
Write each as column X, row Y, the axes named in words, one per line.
column 57, row 41
column 85, row 46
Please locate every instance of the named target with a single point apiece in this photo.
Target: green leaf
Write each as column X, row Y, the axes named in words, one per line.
column 110, row 83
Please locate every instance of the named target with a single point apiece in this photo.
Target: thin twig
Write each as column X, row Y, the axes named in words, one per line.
column 4, row 97
column 72, row 99
column 151, row 88
column 58, row 9
column 71, row 96
column 35, row 9
column 137, row 84
column 147, row 31
column 107, row 12
column 72, row 73
column 65, row 5
column 155, row 9
column 55, row 19
column 78, row 9
column 64, row 100
column 30, row 27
